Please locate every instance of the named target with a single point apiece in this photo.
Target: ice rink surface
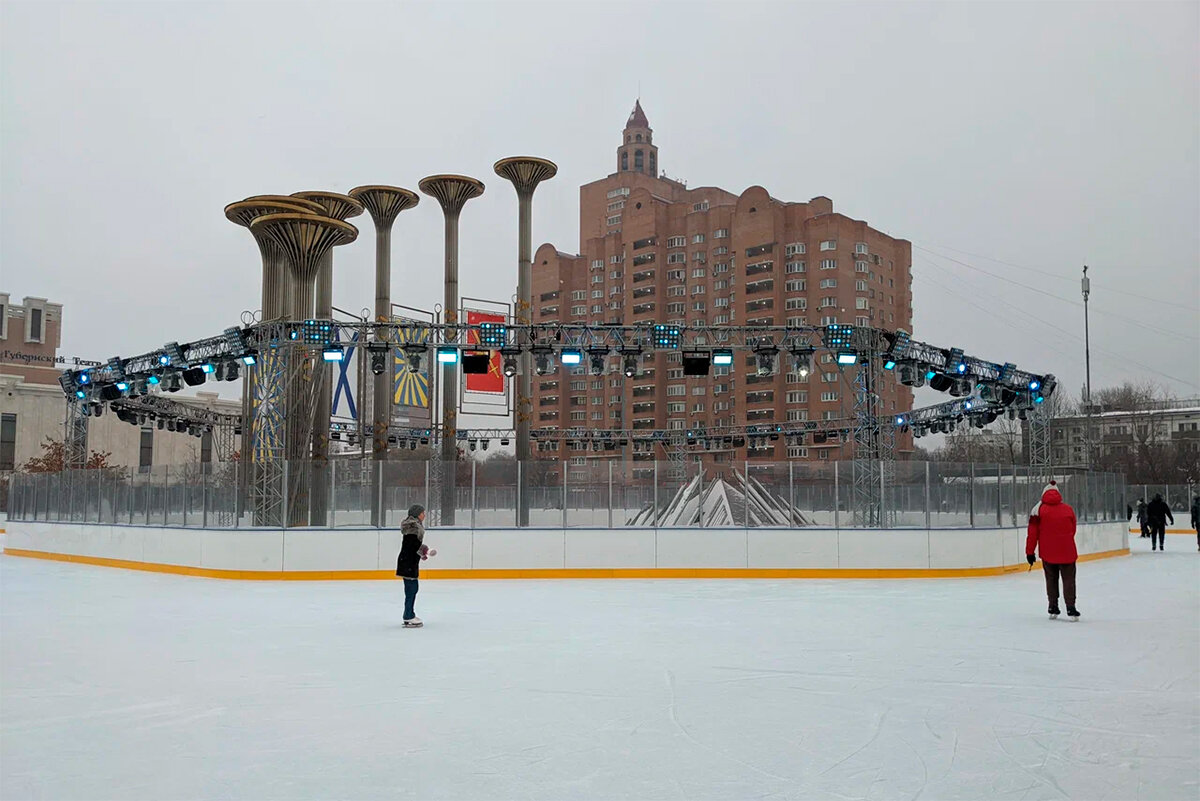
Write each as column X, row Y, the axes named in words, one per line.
column 126, row 685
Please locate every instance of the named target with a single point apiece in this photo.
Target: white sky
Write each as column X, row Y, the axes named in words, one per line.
column 1012, row 143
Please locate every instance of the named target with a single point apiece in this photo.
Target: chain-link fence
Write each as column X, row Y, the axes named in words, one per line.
column 600, row 494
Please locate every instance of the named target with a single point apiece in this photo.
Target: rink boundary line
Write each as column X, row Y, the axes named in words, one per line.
column 1138, row 531
column 554, row 573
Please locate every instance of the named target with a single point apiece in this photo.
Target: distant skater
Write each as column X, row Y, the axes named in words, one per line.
column 1196, row 519
column 1052, row 533
column 1141, row 516
column 408, row 565
column 1157, row 514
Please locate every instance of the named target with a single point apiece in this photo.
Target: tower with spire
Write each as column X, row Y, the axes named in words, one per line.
column 637, row 152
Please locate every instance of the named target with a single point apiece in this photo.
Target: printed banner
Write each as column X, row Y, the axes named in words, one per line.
column 493, row 380
column 412, row 387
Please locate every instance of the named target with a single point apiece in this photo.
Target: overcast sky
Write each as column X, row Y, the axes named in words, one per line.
column 1011, row 143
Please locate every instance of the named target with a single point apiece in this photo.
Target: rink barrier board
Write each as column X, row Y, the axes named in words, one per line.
column 1190, row 531
column 555, row 573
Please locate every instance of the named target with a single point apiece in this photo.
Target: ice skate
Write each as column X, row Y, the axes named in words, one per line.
column 415, row 623
column 1054, row 612
column 1072, row 614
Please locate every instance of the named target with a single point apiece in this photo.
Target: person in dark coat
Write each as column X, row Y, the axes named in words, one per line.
column 408, row 564
column 1196, row 519
column 1052, row 533
column 1141, row 516
column 1157, row 513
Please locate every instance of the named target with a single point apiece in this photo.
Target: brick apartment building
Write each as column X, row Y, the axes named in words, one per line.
column 653, row 250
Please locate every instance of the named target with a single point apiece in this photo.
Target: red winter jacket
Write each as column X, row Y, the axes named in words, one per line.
column 1052, row 524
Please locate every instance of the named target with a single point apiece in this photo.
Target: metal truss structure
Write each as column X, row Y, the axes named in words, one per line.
column 287, row 353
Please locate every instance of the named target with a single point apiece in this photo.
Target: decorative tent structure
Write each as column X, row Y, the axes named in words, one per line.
column 718, row 503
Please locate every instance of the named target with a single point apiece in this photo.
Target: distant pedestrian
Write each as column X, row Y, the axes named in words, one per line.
column 1196, row 518
column 1052, row 534
column 1128, row 512
column 1157, row 514
column 1141, row 516
column 412, row 551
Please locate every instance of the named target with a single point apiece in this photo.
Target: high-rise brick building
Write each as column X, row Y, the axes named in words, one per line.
column 653, row 250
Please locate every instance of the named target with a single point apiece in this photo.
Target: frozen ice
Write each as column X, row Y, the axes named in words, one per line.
column 125, row 685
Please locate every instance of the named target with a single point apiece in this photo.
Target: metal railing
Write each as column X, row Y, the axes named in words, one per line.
column 601, row 494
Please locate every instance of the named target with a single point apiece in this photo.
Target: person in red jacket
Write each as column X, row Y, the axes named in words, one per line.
column 1052, row 532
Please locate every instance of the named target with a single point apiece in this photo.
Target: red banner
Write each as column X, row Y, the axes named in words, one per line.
column 493, row 380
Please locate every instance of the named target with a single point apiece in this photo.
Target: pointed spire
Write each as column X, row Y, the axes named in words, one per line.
column 637, row 117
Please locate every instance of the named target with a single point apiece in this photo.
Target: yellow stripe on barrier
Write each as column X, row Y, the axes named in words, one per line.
column 555, row 573
column 1138, row 531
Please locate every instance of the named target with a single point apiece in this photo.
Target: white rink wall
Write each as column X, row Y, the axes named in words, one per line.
column 556, row 549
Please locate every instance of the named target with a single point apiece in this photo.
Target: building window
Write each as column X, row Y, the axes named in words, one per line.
column 597, row 264
column 830, row 320
column 598, row 308
column 676, row 391
column 614, row 220
column 794, row 267
column 860, row 303
column 722, row 267
column 828, row 302
column 795, row 285
column 653, row 163
column 3, row 317
column 698, row 272
column 616, row 258
column 698, row 239
column 146, row 450
column 797, row 396
column 624, row 160
column 829, row 244
column 700, row 257
column 579, row 310
column 795, row 249
column 796, row 304
column 828, row 283
column 860, row 248
column 797, row 452
column 677, row 258
column 860, row 267
column 8, row 442
column 33, row 324
column 721, row 233
column 860, row 286
column 828, row 264
column 698, row 306
column 829, row 397
column 638, row 162
column 622, row 192
column 579, row 294
column 676, row 241
column 578, row 415
column 616, row 206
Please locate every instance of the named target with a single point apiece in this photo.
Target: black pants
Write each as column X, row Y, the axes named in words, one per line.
column 1145, row 529
column 1067, row 572
column 410, row 598
column 1157, row 532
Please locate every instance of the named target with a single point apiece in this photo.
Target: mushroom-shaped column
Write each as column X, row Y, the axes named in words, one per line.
column 383, row 203
column 525, row 173
column 304, row 240
column 338, row 207
column 275, row 305
column 276, row 281
column 451, row 192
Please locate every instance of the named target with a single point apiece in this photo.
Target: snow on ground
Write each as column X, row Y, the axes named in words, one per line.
column 126, row 685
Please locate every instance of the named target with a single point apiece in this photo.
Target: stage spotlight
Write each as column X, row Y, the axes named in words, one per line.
column 571, row 357
column 493, row 335
column 541, row 360
column 666, row 336
column 483, row 443
column 249, row 358
column 412, row 444
column 631, row 365
column 379, row 357
column 333, row 353
column 941, row 383
column 414, row 353
column 912, row 375
column 504, row 440
column 955, row 362
column 173, row 383
column 161, row 424
column 164, row 360
column 208, row 368
column 232, row 371
column 722, row 357
column 83, row 378
column 193, row 377
column 838, row 336
column 696, row 364
column 597, row 358
column 901, row 419
column 766, row 359
column 847, row 357
column 473, row 444
column 476, row 362
column 802, row 361
column 889, row 363
column 510, row 366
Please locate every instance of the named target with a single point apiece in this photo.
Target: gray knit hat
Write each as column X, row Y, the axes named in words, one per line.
column 415, row 510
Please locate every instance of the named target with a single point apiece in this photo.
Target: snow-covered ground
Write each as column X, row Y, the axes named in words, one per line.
column 127, row 685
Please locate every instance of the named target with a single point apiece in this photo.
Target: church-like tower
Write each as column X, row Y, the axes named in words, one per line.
column 637, row 152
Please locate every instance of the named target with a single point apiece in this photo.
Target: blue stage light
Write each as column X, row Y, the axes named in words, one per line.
column 208, row 368
column 84, row 378
column 79, row 393
column 335, row 354
column 152, row 379
column 122, row 385
column 846, row 357
column 722, row 358
column 889, row 364
column 248, row 359
column 1035, row 385
column 447, row 355
column 571, row 357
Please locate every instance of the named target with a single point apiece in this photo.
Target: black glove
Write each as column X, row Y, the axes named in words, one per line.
column 1030, row 558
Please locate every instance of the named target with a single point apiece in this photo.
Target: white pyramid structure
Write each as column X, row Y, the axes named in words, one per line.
column 719, row 503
